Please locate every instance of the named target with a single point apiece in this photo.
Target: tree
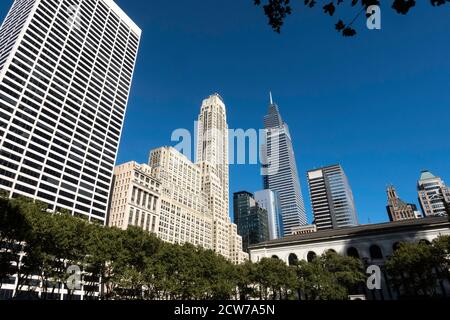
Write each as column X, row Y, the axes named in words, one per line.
column 329, row 277
column 246, row 275
column 278, row 10
column 274, row 279
column 412, row 268
column 13, row 231
column 441, row 250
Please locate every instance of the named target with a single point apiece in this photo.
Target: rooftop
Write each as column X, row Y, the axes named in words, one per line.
column 426, row 175
column 356, row 231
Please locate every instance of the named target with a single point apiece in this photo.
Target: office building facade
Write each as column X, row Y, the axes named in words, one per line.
column 269, row 200
column 331, row 198
column 65, row 74
column 195, row 196
column 399, row 210
column 136, row 198
column 252, row 220
column 184, row 217
column 434, row 195
column 280, row 170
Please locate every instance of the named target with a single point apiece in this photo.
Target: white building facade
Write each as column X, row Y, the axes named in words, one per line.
column 195, row 196
column 434, row 195
column 66, row 68
column 373, row 244
column 136, row 198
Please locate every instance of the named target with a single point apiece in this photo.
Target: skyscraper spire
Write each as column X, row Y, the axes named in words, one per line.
column 280, row 170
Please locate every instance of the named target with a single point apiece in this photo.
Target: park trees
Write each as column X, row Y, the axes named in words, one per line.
column 416, row 268
column 329, row 277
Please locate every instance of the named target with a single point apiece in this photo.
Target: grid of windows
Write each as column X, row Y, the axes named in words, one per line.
column 63, row 94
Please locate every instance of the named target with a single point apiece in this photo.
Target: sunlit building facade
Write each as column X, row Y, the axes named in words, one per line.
column 65, row 75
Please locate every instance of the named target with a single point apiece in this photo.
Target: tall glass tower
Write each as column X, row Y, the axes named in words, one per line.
column 66, row 68
column 280, row 170
column 332, row 198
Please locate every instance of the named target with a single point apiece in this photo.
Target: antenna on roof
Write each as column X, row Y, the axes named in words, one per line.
column 271, row 98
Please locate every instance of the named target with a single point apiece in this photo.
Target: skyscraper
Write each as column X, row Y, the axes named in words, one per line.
column 281, row 175
column 434, row 195
column 251, row 219
column 65, row 74
column 270, row 201
column 184, row 216
column 331, row 198
column 194, row 196
column 399, row 210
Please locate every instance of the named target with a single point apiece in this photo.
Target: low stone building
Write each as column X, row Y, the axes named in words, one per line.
column 374, row 244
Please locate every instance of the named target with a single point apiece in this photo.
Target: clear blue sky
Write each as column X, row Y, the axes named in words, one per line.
column 379, row 104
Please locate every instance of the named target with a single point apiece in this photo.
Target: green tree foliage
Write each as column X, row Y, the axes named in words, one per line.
column 329, row 277
column 13, row 231
column 135, row 265
column 274, row 279
column 415, row 268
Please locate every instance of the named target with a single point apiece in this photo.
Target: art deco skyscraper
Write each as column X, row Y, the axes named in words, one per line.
column 195, row 196
column 434, row 195
column 281, row 173
column 65, row 74
column 331, row 198
column 212, row 158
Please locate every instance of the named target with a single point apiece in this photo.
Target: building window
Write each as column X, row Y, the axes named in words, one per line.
column 376, row 253
column 311, row 256
column 293, row 259
column 353, row 252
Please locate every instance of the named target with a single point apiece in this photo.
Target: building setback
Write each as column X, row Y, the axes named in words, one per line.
column 280, row 170
column 434, row 195
column 65, row 74
column 195, row 196
column 183, row 215
column 397, row 209
column 251, row 219
column 331, row 198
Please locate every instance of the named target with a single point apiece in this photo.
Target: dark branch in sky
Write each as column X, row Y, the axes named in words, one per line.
column 278, row 10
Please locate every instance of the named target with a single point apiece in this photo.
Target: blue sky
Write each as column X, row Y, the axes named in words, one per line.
column 379, row 104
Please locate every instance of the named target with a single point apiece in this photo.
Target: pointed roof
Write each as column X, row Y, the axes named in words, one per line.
column 426, row 175
column 273, row 118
